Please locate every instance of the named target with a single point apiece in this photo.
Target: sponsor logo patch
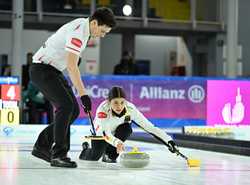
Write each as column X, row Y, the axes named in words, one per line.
column 76, row 42
column 102, row 115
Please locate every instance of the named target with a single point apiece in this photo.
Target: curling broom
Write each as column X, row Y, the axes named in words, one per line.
column 190, row 162
column 93, row 135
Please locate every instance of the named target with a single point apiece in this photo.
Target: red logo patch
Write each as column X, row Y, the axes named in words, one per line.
column 76, row 42
column 102, row 115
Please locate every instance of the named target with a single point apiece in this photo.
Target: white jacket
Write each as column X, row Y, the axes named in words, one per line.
column 106, row 123
column 72, row 37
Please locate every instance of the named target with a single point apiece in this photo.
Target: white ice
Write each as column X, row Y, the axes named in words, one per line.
column 19, row 167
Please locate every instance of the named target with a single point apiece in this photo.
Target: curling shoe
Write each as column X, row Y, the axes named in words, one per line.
column 63, row 163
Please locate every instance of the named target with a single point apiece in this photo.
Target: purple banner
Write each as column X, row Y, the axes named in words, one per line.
column 155, row 97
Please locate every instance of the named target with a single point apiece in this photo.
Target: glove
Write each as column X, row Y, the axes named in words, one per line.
column 86, row 102
column 172, row 146
column 127, row 119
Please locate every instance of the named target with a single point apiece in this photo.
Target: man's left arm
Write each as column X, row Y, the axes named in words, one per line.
column 75, row 77
column 74, row 46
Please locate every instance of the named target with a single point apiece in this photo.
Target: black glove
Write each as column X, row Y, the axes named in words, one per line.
column 86, row 102
column 172, row 146
column 127, row 119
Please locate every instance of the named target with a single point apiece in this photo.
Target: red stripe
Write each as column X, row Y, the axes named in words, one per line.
column 72, row 49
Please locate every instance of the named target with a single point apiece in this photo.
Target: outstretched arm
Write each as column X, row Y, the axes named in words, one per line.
column 158, row 133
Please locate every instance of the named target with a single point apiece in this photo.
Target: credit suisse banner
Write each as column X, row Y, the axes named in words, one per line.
column 155, row 97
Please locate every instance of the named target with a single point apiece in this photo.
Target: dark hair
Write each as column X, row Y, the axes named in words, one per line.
column 116, row 92
column 104, row 16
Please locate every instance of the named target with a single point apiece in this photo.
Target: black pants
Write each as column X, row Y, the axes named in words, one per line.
column 55, row 88
column 35, row 115
column 99, row 147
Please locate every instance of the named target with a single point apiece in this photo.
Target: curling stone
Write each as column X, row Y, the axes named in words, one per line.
column 134, row 159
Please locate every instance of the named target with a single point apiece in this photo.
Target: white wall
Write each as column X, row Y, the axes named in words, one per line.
column 111, row 47
column 183, row 56
column 91, row 58
column 31, row 41
column 156, row 49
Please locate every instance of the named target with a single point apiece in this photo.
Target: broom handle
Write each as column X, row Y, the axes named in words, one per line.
column 92, row 124
column 179, row 153
column 182, row 155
